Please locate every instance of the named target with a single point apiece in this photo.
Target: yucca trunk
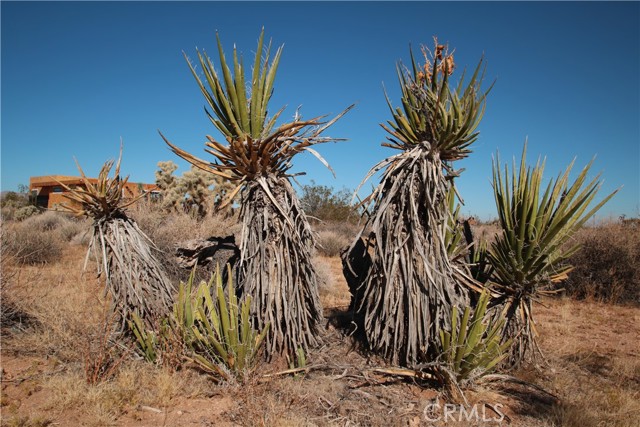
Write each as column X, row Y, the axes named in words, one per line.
column 520, row 330
column 134, row 277
column 412, row 285
column 275, row 266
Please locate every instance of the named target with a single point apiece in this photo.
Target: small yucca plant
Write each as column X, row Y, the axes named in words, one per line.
column 216, row 327
column 275, row 266
column 408, row 292
column 146, row 339
column 472, row 347
column 134, row 277
column 531, row 252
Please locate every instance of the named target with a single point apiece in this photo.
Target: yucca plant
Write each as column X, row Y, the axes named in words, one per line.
column 412, row 285
column 454, row 238
column 217, row 328
column 531, row 251
column 275, row 266
column 124, row 254
column 146, row 339
column 472, row 347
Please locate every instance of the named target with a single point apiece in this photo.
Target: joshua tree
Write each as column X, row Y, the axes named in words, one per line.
column 409, row 290
column 134, row 277
column 275, row 267
column 531, row 251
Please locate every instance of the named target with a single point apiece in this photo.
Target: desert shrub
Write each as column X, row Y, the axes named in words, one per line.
column 331, row 243
column 25, row 212
column 12, row 315
column 8, row 213
column 607, row 265
column 14, row 200
column 73, row 229
column 324, row 203
column 214, row 328
column 29, row 245
column 333, row 236
column 49, row 220
column 472, row 347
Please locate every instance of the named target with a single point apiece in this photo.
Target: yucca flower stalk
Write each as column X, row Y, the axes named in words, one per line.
column 275, row 267
column 531, row 251
column 124, row 254
column 412, row 285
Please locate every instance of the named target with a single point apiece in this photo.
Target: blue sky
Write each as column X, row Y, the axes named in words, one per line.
column 77, row 76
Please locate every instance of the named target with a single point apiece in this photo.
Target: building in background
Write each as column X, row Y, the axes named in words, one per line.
column 50, row 194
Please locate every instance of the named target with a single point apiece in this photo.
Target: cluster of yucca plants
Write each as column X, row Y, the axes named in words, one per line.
column 124, row 254
column 531, row 251
column 208, row 327
column 412, row 285
column 216, row 328
column 275, row 267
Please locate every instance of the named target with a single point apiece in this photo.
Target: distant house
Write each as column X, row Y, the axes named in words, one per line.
column 50, row 194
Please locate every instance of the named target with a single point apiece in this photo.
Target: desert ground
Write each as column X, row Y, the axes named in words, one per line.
column 59, row 369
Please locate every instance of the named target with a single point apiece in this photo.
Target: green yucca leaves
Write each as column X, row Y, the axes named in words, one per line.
column 147, row 340
column 536, row 224
column 530, row 253
column 472, row 347
column 453, row 237
column 433, row 113
column 256, row 148
column 234, row 112
column 103, row 198
column 216, row 327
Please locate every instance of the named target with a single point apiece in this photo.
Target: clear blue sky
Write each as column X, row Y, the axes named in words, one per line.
column 77, row 76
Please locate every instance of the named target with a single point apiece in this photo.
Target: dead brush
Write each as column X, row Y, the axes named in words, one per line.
column 134, row 277
column 101, row 355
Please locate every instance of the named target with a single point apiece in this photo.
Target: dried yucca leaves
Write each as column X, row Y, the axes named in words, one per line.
column 408, row 293
column 275, row 268
column 134, row 277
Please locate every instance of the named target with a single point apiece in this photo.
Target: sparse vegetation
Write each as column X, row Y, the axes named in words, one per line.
column 607, row 265
column 44, row 368
column 191, row 355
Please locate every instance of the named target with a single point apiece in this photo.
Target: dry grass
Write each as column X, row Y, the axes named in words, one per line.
column 168, row 231
column 333, row 237
column 591, row 347
column 607, row 267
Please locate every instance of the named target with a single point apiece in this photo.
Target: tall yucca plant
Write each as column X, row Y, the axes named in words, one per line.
column 412, row 285
column 275, row 267
column 134, row 277
column 531, row 251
